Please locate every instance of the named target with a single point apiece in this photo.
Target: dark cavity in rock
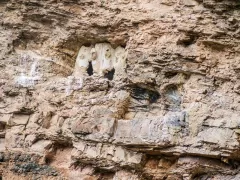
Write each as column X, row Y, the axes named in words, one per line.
column 110, row 74
column 90, row 69
column 187, row 40
column 140, row 93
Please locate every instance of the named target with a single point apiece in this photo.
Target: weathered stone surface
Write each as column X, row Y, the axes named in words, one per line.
column 41, row 146
column 106, row 155
column 2, row 145
column 97, row 129
column 127, row 89
column 164, row 131
column 18, row 119
column 122, row 175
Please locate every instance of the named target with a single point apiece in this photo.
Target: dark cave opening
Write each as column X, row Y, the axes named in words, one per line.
column 170, row 74
column 144, row 94
column 90, row 69
column 187, row 40
column 2, row 126
column 110, row 74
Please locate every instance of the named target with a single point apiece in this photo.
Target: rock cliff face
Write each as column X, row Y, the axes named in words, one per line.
column 120, row 89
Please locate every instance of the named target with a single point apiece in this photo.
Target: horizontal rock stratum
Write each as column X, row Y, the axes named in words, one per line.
column 120, row 90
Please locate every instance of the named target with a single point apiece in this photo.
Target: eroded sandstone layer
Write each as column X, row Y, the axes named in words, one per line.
column 120, row 89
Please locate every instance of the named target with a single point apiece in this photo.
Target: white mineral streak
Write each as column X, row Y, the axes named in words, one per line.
column 68, row 89
column 28, row 78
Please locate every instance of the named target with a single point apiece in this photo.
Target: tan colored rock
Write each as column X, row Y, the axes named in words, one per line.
column 5, row 118
column 41, row 146
column 218, row 136
column 2, row 145
column 106, row 155
column 127, row 89
column 19, row 119
column 156, row 132
column 123, row 175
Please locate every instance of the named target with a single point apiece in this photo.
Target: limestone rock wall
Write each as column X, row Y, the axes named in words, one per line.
column 119, row 90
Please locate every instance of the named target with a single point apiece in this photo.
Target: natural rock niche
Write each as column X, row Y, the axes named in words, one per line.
column 101, row 60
